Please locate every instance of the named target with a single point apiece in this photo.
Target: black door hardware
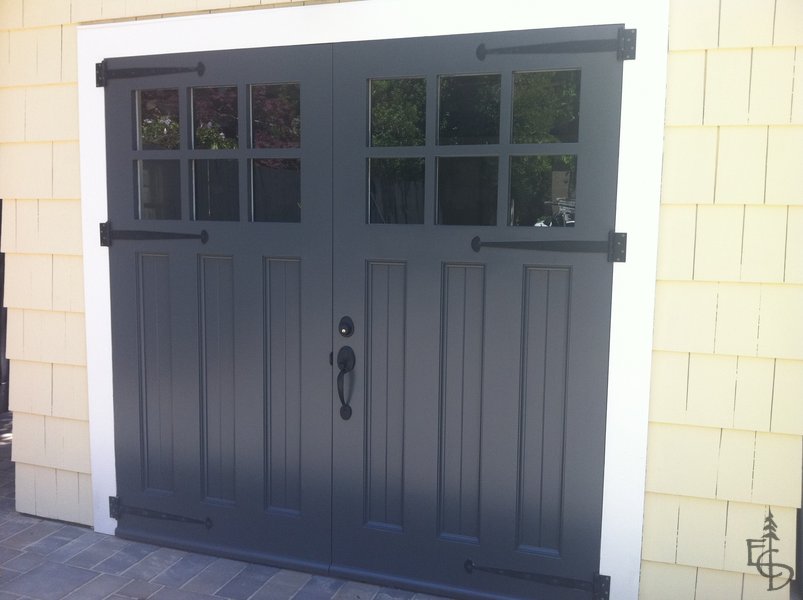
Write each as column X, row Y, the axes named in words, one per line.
column 624, row 45
column 346, row 326
column 117, row 509
column 345, row 362
column 107, row 234
column 599, row 586
column 103, row 73
column 615, row 247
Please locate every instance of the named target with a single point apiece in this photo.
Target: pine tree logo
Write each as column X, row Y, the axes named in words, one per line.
column 779, row 574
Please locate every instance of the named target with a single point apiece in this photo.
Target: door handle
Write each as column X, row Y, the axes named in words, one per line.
column 345, row 362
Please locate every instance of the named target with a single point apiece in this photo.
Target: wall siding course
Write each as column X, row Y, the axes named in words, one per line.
column 778, row 469
column 51, row 113
column 669, row 386
column 29, row 439
column 727, row 87
column 738, row 314
column 781, row 333
column 685, row 316
column 754, row 389
column 764, row 243
column 685, row 88
column 70, row 395
column 784, row 175
column 676, row 240
column 26, row 170
column 718, row 585
column 793, row 269
column 10, row 14
column 689, row 168
column 741, row 159
column 718, row 250
column 787, row 398
column 40, row 13
column 711, row 390
column 661, row 581
column 66, row 170
column 701, row 532
column 29, row 281
column 771, row 80
column 12, row 114
column 797, row 94
column 735, row 474
column 745, row 23
column 682, row 460
column 68, row 283
column 693, row 24
column 660, row 528
column 788, row 23
column 31, row 387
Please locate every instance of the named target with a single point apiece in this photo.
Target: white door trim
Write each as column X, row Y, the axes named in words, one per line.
column 637, row 204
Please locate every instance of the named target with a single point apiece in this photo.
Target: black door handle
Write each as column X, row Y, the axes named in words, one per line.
column 345, row 362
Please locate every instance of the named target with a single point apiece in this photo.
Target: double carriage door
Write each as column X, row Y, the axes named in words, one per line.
column 339, row 340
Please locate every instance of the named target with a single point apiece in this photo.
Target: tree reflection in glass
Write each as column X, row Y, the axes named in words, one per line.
column 158, row 120
column 398, row 112
column 468, row 109
column 546, row 107
column 396, row 190
column 276, row 115
column 214, row 117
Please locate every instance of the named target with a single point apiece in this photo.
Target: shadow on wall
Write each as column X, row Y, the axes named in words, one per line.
column 3, row 311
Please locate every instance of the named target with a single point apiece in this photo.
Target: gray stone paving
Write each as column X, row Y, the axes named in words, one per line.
column 50, row 560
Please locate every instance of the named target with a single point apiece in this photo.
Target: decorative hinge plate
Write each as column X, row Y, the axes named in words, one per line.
column 117, row 510
column 617, row 247
column 106, row 234
column 103, row 73
column 602, row 587
column 114, row 507
column 627, row 44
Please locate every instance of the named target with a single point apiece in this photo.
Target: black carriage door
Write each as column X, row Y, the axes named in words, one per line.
column 221, row 343
column 384, row 353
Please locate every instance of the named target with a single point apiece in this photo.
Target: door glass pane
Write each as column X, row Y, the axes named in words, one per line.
column 276, row 190
column 159, row 189
column 546, row 107
column 276, row 115
column 158, row 127
column 214, row 117
column 216, row 190
column 542, row 190
column 396, row 190
column 398, row 112
column 467, row 189
column 468, row 109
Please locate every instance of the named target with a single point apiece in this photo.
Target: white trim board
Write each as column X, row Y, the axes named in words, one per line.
column 637, row 204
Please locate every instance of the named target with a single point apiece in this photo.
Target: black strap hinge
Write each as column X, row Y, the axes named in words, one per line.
column 117, row 509
column 103, row 73
column 107, row 235
column 599, row 586
column 624, row 45
column 615, row 247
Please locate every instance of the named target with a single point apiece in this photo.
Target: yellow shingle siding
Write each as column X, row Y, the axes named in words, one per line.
column 726, row 431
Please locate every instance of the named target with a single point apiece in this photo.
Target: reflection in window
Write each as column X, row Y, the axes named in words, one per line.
column 398, row 112
column 158, row 120
column 159, row 189
column 396, row 190
column 468, row 109
column 467, row 189
column 546, row 107
column 276, row 116
column 214, row 117
column 542, row 190
column 276, row 189
column 216, row 190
